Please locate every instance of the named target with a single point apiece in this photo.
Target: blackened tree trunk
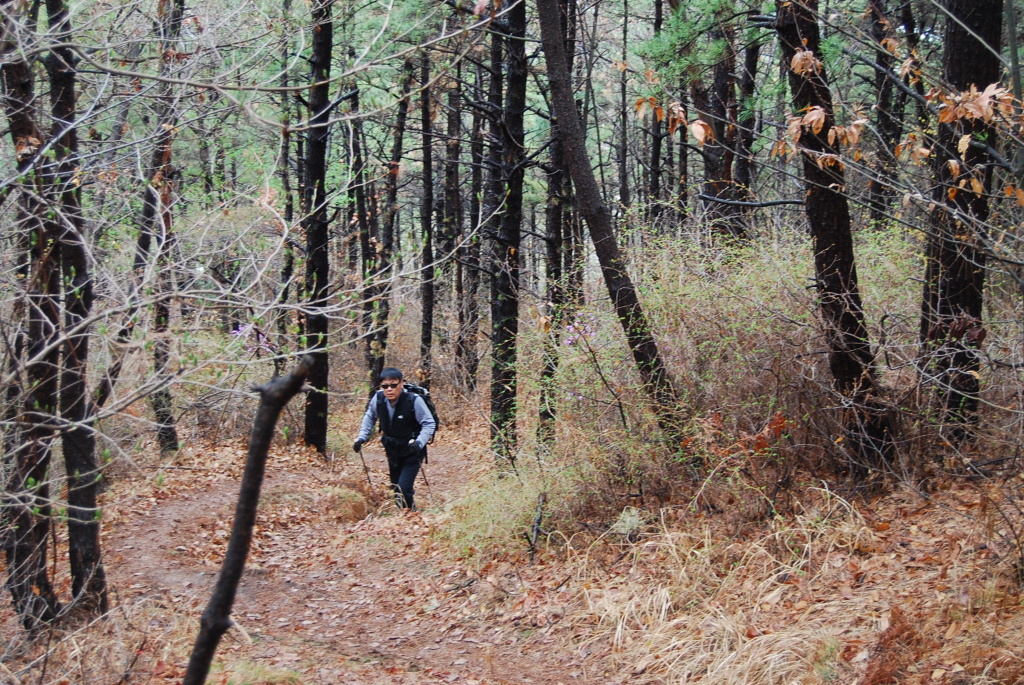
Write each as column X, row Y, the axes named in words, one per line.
column 88, row 579
column 216, row 617
column 453, row 150
column 557, row 221
column 746, row 120
column 469, row 307
column 624, row 192
column 654, row 203
column 26, row 502
column 951, row 311
column 288, row 215
column 849, row 351
column 505, row 296
column 887, row 120
column 620, row 287
column 367, row 253
column 385, row 274
column 155, row 227
column 316, row 223
column 715, row 105
column 426, row 226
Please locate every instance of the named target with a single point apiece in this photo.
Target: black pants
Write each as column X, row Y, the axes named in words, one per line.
column 403, row 471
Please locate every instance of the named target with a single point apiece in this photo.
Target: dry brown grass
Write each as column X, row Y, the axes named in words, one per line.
column 826, row 596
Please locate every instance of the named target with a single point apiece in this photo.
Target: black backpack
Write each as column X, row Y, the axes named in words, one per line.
column 425, row 394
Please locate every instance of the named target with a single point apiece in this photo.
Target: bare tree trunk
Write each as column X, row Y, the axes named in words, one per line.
column 26, row 505
column 469, row 306
column 849, row 350
column 426, row 227
column 716, row 107
column 285, row 174
column 316, row 224
column 88, row 579
column 620, row 287
column 557, row 217
column 747, row 122
column 887, row 120
column 505, row 296
column 951, row 310
column 217, row 616
column 385, row 274
column 155, row 225
column 453, row 150
column 625, row 198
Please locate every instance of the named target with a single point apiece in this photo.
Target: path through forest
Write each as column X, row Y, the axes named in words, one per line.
column 336, row 592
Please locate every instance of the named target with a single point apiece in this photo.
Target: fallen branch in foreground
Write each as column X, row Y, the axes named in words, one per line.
column 217, row 616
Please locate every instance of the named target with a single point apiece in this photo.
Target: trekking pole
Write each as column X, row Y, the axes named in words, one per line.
column 366, row 469
column 430, row 490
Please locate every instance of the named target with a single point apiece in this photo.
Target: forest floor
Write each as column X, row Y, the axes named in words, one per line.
column 341, row 587
column 337, row 589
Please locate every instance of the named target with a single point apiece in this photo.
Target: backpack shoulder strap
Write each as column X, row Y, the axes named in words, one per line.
column 382, row 412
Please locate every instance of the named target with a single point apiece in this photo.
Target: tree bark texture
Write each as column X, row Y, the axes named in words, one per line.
column 505, row 295
column 88, row 578
column 316, row 224
column 26, row 505
column 466, row 355
column 385, row 275
column 716, row 106
column 850, row 357
column 216, row 618
column 620, row 287
column 155, row 226
column 557, row 224
column 426, row 227
column 951, row 311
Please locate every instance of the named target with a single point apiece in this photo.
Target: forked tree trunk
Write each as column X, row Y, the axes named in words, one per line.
column 951, row 310
column 850, row 357
column 316, row 224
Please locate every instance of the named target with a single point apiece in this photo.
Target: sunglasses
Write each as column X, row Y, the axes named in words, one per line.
column 388, row 386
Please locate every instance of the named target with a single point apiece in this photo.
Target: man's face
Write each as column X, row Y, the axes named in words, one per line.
column 392, row 388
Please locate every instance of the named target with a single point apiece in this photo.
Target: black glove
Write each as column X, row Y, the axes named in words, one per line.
column 358, row 445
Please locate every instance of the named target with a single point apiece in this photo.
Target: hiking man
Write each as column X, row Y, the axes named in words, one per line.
column 406, row 426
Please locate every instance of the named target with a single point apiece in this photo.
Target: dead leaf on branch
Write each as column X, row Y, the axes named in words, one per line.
column 805, row 62
column 815, row 119
column 702, row 132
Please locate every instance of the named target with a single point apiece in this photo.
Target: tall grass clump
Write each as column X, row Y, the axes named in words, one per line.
column 700, row 605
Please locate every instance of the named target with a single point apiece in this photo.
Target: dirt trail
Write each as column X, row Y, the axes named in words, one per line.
column 373, row 600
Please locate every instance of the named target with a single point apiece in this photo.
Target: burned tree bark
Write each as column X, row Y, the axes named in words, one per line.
column 426, row 228
column 316, row 223
column 951, row 309
column 505, row 288
column 26, row 506
column 850, row 357
column 88, row 578
column 217, row 617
